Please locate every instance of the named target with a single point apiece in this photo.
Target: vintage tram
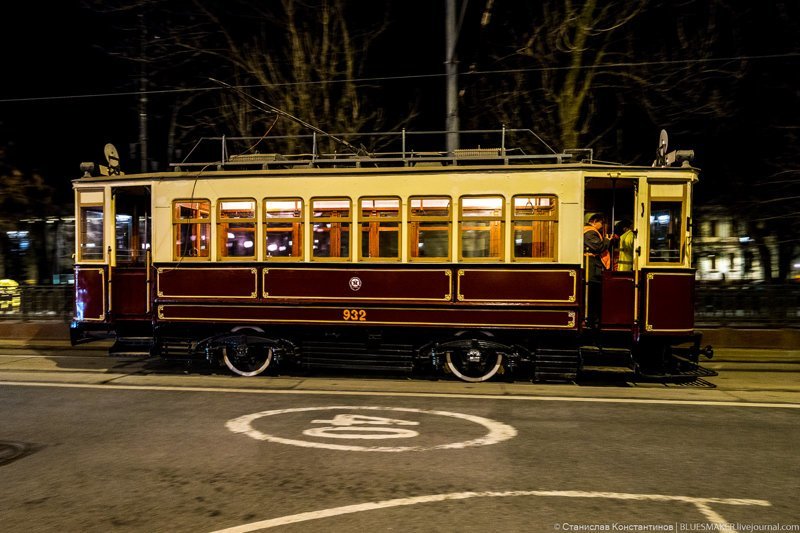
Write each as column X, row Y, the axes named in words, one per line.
column 469, row 263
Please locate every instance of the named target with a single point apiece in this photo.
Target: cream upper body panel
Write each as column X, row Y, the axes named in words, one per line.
column 564, row 182
column 566, row 186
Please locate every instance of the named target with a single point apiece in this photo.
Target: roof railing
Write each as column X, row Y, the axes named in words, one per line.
column 406, row 156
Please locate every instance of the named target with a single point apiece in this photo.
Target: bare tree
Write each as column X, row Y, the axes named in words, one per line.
column 306, row 60
column 575, row 71
column 302, row 56
column 557, row 62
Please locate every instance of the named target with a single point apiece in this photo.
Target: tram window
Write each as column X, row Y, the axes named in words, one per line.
column 429, row 222
column 123, row 235
column 330, row 225
column 91, row 233
column 534, row 221
column 283, row 228
column 379, row 220
column 191, row 222
column 132, row 224
column 236, row 228
column 481, row 227
column 665, row 232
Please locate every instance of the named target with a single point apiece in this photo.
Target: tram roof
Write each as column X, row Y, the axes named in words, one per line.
column 360, row 161
column 599, row 171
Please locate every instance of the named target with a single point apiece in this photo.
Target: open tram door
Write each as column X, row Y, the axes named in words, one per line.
column 610, row 302
column 112, row 261
column 130, row 262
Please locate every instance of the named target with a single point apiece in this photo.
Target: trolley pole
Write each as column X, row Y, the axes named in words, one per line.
column 451, row 69
column 143, row 94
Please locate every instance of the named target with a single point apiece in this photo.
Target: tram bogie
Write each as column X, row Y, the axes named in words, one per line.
column 444, row 265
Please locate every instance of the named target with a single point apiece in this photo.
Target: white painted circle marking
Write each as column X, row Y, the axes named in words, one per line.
column 701, row 504
column 496, row 431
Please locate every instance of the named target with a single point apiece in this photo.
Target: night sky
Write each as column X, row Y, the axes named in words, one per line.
column 61, row 51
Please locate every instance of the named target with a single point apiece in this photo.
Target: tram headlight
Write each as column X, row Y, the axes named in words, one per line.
column 87, row 167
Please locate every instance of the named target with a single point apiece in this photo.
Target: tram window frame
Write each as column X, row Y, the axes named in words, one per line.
column 371, row 228
column 342, row 224
column 243, row 225
column 675, row 195
column 499, row 233
column 95, row 202
column 200, row 223
column 529, row 221
column 296, row 230
column 432, row 224
column 669, row 205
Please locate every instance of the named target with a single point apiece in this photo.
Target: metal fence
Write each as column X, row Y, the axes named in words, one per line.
column 37, row 302
column 753, row 305
column 748, row 305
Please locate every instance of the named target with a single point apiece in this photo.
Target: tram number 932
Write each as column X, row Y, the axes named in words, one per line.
column 354, row 315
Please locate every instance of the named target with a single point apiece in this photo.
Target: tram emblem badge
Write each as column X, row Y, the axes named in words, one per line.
column 355, row 283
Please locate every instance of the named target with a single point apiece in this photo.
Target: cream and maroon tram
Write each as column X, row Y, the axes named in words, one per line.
column 469, row 263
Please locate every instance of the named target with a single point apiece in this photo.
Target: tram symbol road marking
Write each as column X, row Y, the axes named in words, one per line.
column 362, row 427
column 703, row 505
column 354, row 426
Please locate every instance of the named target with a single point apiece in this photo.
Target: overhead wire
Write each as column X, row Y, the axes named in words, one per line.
column 467, row 74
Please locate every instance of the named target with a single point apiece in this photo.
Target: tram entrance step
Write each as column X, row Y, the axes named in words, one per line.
column 356, row 356
column 596, row 356
column 139, row 346
column 555, row 365
column 175, row 349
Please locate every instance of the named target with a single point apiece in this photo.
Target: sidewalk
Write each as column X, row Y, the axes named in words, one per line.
column 763, row 349
column 744, row 375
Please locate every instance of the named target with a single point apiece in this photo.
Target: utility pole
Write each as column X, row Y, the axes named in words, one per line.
column 143, row 93
column 451, row 69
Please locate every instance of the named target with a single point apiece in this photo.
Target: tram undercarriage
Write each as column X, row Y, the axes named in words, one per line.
column 466, row 355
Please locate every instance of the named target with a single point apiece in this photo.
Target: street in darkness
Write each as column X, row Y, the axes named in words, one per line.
column 95, row 459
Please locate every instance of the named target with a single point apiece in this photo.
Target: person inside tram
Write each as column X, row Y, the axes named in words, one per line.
column 626, row 239
column 596, row 248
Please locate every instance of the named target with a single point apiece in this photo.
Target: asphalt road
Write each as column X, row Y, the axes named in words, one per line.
column 99, row 449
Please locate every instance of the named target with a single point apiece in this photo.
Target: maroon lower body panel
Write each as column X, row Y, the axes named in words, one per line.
column 129, row 296
column 668, row 301
column 384, row 316
column 518, row 286
column 90, row 293
column 207, row 282
column 358, row 284
column 618, row 297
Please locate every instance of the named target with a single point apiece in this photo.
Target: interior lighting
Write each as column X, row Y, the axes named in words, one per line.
column 237, row 206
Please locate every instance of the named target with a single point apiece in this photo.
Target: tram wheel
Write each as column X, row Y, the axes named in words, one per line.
column 473, row 365
column 247, row 359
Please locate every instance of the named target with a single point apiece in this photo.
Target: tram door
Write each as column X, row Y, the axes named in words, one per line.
column 129, row 277
column 616, row 200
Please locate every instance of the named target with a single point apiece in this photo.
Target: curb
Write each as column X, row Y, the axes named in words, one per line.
column 771, row 339
column 45, row 330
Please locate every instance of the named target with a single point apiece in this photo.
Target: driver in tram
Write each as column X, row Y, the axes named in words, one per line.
column 596, row 249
